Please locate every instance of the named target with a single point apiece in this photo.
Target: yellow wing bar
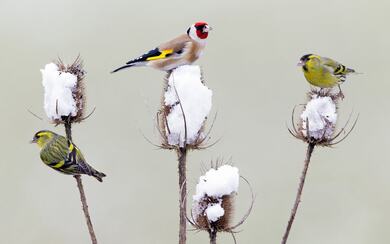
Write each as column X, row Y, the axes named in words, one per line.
column 162, row 55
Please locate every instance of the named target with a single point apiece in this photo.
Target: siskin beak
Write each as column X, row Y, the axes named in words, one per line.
column 34, row 140
column 301, row 63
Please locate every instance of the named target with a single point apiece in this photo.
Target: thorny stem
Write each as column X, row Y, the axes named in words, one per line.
column 309, row 152
column 182, row 156
column 68, row 131
column 213, row 236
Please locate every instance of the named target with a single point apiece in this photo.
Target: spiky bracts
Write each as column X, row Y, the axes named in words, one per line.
column 64, row 99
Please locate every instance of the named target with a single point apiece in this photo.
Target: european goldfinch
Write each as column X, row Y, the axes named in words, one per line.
column 184, row 49
column 62, row 155
column 323, row 72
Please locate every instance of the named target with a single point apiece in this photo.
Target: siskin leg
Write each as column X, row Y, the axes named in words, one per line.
column 341, row 94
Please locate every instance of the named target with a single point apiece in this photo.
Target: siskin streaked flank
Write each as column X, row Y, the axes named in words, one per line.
column 62, row 155
column 323, row 72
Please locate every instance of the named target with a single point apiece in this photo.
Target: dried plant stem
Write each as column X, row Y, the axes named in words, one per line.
column 68, row 128
column 182, row 157
column 213, row 236
column 85, row 209
column 309, row 152
column 68, row 131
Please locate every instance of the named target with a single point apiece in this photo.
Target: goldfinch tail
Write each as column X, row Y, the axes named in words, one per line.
column 123, row 67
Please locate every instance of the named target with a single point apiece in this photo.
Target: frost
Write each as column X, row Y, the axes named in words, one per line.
column 185, row 84
column 59, row 87
column 321, row 114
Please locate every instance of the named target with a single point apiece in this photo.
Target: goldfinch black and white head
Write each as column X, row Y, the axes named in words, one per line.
column 182, row 50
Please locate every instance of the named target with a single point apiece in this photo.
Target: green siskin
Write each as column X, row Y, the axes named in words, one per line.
column 62, row 155
column 323, row 72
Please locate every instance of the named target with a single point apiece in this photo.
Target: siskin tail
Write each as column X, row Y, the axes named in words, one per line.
column 352, row 71
column 98, row 175
column 349, row 70
column 123, row 67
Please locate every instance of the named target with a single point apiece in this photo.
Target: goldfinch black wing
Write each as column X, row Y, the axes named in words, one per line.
column 154, row 54
column 171, row 48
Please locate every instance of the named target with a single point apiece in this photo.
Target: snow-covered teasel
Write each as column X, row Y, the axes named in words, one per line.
column 317, row 122
column 214, row 191
column 186, row 104
column 319, row 118
column 213, row 202
column 64, row 92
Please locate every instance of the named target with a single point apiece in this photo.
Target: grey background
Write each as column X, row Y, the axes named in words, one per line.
column 250, row 64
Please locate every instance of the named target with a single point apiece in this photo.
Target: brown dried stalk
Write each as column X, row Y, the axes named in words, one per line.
column 182, row 156
column 213, row 236
column 68, row 131
column 309, row 152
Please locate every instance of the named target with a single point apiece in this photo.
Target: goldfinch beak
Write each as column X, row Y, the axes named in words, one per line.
column 208, row 28
column 301, row 63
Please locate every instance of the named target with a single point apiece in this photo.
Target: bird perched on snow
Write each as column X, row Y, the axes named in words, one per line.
column 323, row 72
column 62, row 155
column 184, row 49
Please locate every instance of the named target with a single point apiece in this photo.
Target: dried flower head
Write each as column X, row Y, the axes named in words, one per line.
column 186, row 103
column 64, row 91
column 213, row 203
column 317, row 122
column 215, row 190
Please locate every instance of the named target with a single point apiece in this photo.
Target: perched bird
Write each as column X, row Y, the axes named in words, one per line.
column 62, row 155
column 184, row 49
column 323, row 72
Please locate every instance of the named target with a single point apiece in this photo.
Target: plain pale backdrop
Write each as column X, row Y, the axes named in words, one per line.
column 250, row 64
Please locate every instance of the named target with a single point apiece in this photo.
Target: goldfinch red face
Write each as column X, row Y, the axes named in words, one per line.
column 199, row 31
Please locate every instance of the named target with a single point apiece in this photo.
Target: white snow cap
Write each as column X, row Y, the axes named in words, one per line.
column 322, row 116
column 58, row 87
column 216, row 183
column 195, row 98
